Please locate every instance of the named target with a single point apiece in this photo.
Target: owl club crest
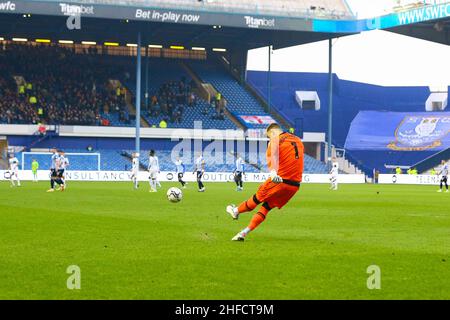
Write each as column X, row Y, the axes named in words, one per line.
column 417, row 133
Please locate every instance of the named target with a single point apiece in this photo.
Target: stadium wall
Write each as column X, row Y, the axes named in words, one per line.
column 409, row 179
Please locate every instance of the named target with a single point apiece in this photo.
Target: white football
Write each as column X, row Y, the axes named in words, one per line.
column 174, row 194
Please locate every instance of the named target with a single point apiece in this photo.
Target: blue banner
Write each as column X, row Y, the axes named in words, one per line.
column 425, row 13
column 402, row 131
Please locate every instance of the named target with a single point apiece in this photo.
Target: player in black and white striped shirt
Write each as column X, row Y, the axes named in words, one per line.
column 63, row 164
column 238, row 172
column 444, row 176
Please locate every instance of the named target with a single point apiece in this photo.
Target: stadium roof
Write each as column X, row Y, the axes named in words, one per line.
column 326, row 9
column 100, row 23
column 433, row 30
column 123, row 31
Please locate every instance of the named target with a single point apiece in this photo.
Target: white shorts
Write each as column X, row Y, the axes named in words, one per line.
column 134, row 172
column 153, row 174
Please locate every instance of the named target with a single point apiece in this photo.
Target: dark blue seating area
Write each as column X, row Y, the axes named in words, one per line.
column 163, row 71
column 115, row 121
column 58, row 86
column 368, row 160
column 239, row 100
column 111, row 149
column 349, row 98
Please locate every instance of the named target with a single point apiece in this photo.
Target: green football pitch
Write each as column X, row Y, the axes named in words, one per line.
column 136, row 245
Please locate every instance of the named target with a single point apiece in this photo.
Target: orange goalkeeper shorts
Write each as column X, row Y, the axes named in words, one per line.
column 276, row 194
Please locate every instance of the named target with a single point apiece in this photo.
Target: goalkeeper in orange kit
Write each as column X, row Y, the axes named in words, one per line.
column 285, row 161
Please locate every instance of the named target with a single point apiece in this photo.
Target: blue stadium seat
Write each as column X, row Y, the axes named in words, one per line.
column 165, row 70
column 239, row 100
column 113, row 118
column 311, row 165
column 115, row 160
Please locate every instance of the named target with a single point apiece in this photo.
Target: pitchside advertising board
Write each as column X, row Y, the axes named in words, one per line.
column 122, row 176
column 409, row 179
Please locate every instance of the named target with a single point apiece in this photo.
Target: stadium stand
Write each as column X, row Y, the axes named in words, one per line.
column 53, row 85
column 239, row 100
column 81, row 96
column 74, row 88
column 115, row 155
column 173, row 87
column 349, row 98
column 166, row 164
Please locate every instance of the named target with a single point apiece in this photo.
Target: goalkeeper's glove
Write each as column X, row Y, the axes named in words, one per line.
column 275, row 177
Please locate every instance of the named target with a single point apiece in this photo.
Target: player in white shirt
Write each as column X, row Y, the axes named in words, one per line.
column 199, row 167
column 181, row 168
column 153, row 169
column 53, row 169
column 63, row 164
column 444, row 176
column 334, row 173
column 135, row 169
column 14, row 170
column 238, row 172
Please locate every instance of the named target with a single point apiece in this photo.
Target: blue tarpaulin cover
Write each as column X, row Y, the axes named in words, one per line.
column 402, row 131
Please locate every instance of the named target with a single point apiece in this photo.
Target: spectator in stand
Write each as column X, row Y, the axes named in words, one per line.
column 170, row 100
column 163, row 124
column 220, row 112
column 154, row 100
column 192, row 100
column 156, row 110
column 177, row 114
column 205, row 110
column 63, row 88
column 164, row 108
column 218, row 99
column 42, row 130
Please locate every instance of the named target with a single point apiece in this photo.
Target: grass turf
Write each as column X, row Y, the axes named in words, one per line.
column 136, row 245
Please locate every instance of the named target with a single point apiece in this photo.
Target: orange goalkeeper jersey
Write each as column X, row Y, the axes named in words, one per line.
column 289, row 163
